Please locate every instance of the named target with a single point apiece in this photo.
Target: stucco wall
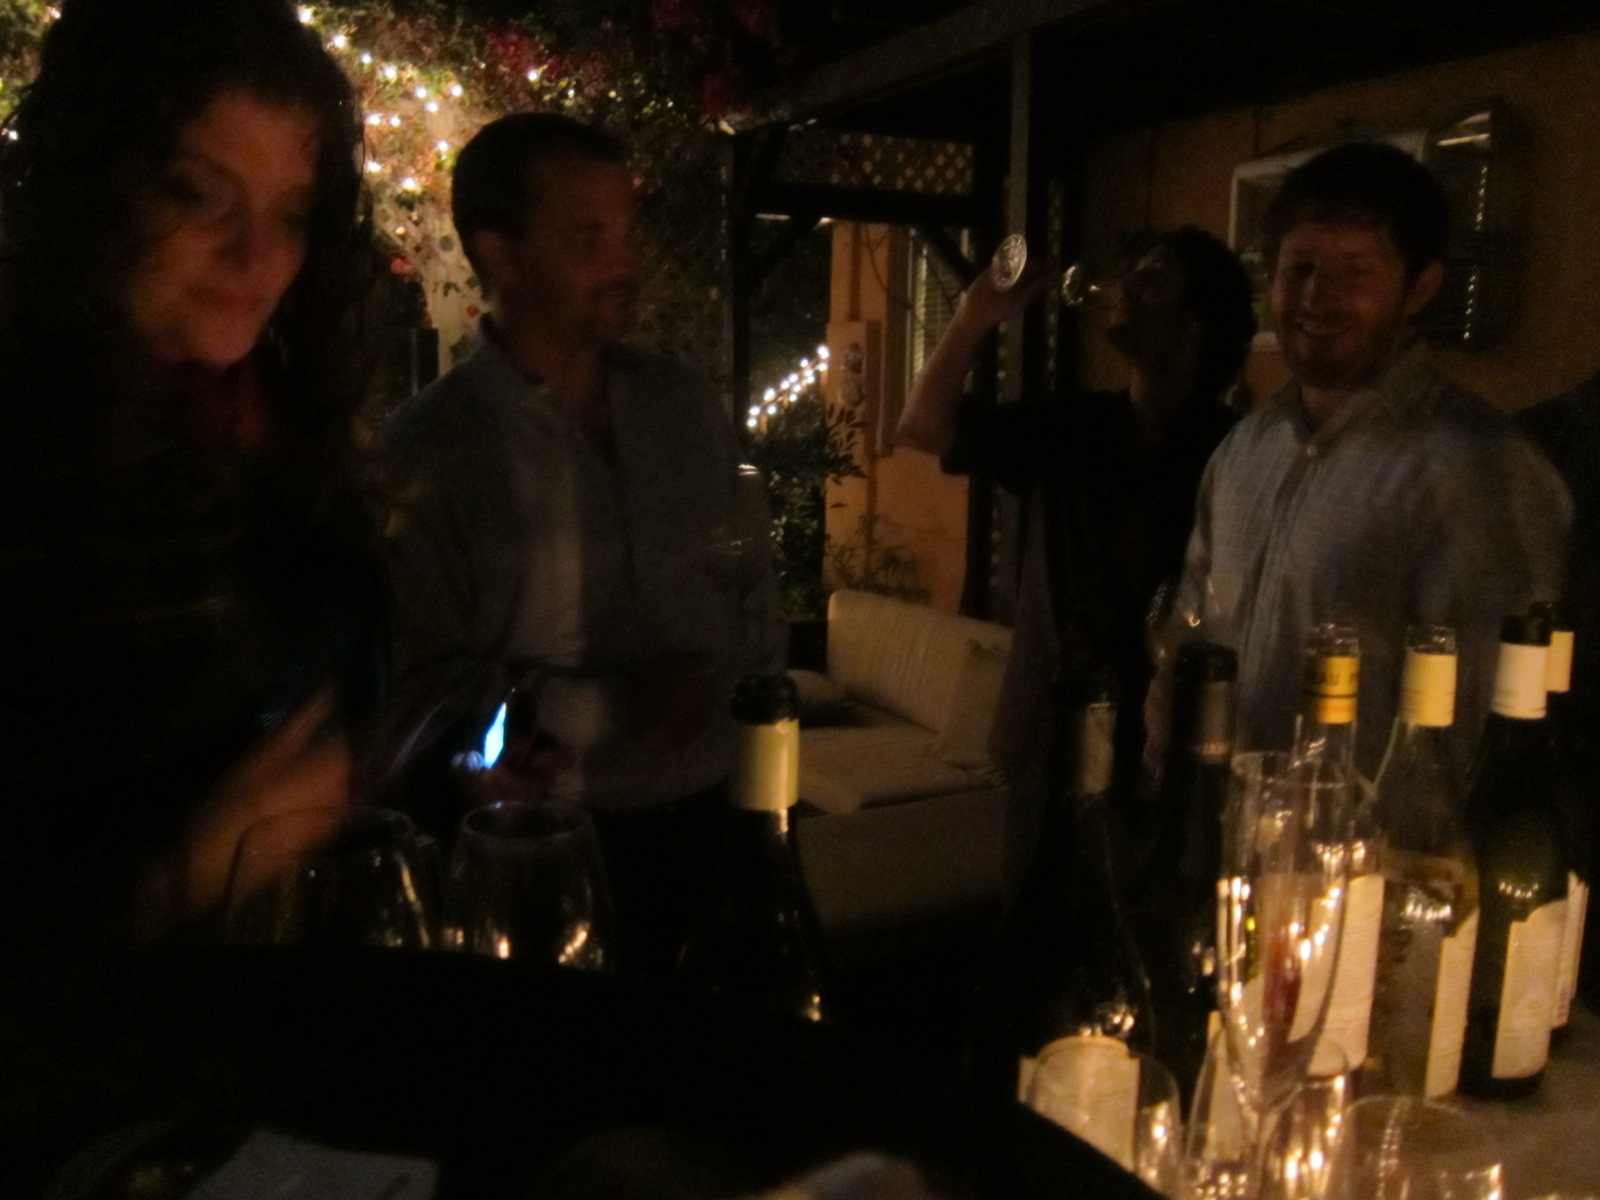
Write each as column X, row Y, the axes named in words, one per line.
column 919, row 509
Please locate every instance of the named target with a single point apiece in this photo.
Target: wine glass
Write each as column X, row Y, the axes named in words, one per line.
column 1077, row 285
column 1405, row 1148
column 1123, row 1104
column 1298, row 1154
column 527, row 881
column 1280, row 906
column 1219, row 1135
column 335, row 876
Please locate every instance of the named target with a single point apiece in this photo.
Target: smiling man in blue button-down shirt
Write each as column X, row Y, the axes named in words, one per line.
column 1369, row 490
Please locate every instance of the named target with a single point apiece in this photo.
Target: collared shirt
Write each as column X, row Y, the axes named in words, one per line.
column 518, row 541
column 1415, row 502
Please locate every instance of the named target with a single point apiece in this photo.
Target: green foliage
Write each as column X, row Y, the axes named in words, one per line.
column 866, row 562
column 805, row 446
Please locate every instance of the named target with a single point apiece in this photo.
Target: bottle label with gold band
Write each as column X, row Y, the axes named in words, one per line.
column 1331, row 684
column 1428, row 689
column 766, row 767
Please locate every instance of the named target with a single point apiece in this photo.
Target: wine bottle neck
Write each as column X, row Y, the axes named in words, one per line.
column 1326, row 730
column 766, row 771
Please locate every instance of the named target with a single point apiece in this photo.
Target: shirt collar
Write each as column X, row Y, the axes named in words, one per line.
column 1399, row 381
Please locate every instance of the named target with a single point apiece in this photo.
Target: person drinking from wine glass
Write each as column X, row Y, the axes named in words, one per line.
column 193, row 598
column 1113, row 476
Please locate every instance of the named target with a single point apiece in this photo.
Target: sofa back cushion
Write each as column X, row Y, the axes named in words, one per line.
column 904, row 658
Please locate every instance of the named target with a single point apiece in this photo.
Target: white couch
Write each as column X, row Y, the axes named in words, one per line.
column 906, row 812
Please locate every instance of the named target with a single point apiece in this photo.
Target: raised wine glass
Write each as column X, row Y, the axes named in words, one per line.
column 1077, row 285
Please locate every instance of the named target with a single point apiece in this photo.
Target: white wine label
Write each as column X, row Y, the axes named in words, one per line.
column 1331, row 681
column 1528, row 992
column 1558, row 667
column 766, row 767
column 1350, row 1006
column 1450, row 998
column 1571, row 947
column 1428, row 689
column 1090, row 1086
column 1519, row 681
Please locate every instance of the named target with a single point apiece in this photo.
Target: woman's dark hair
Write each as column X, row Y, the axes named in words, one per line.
column 1217, row 291
column 117, row 83
column 492, row 186
column 1365, row 183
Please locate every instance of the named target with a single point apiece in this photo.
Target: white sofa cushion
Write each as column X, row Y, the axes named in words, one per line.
column 904, row 658
column 963, row 739
column 886, row 761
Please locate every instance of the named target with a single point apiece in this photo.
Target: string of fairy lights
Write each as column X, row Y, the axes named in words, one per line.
column 806, row 375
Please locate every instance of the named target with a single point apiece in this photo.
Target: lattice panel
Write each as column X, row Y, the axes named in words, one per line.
column 920, row 166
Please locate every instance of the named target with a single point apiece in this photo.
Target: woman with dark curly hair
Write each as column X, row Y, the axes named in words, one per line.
column 192, row 604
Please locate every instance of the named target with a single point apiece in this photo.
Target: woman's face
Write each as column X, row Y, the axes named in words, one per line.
column 226, row 231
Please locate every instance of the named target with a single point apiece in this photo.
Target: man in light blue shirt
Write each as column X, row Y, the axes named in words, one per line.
column 1370, row 490
column 571, row 511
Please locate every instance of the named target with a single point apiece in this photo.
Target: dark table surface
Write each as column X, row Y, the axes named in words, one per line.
column 493, row 1069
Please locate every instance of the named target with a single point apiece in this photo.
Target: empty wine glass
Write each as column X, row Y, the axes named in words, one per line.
column 1219, row 1138
column 334, row 876
column 1280, row 903
column 1076, row 287
column 1303, row 1136
column 1405, row 1148
column 1123, row 1104
column 527, row 881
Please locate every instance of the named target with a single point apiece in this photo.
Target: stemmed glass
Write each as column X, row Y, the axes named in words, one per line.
column 1123, row 1104
column 335, row 876
column 527, row 881
column 1405, row 1148
column 1280, row 906
column 1077, row 285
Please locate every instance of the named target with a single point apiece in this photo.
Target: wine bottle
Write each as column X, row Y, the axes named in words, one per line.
column 1326, row 732
column 1430, row 897
column 760, row 943
column 1065, row 963
column 1173, row 908
column 1522, row 875
column 1572, row 804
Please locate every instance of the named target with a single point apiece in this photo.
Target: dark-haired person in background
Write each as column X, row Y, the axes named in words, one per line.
column 193, row 597
column 1114, row 473
column 571, row 504
column 1370, row 490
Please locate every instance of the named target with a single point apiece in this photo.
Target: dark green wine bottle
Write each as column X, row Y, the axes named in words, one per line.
column 760, row 944
column 1173, row 907
column 1065, row 963
column 1523, row 877
column 1574, row 805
